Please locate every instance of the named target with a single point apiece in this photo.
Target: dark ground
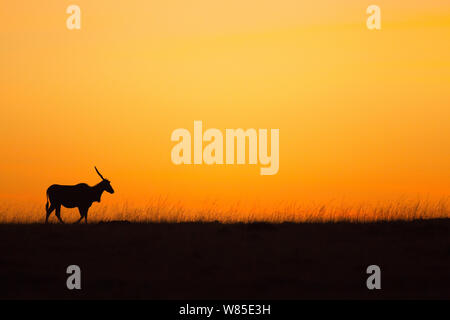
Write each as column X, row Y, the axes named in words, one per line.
column 216, row 261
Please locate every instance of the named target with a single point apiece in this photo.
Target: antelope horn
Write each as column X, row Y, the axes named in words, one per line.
column 99, row 173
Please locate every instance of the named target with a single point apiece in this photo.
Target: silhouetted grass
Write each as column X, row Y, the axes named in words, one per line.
column 165, row 211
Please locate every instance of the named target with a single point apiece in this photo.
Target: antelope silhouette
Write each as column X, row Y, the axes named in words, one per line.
column 79, row 196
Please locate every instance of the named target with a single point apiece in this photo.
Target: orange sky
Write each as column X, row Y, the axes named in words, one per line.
column 363, row 115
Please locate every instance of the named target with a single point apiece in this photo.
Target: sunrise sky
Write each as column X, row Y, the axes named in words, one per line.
column 363, row 115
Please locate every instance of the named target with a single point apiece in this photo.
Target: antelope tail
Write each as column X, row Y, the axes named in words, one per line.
column 46, row 205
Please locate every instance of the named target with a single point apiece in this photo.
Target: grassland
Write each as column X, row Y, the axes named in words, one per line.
column 226, row 261
column 162, row 210
column 166, row 251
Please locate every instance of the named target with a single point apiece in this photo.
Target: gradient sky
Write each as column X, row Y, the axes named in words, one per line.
column 363, row 115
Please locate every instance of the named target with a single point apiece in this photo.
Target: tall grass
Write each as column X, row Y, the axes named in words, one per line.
column 162, row 210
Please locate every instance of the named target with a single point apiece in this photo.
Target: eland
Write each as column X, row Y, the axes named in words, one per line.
column 79, row 196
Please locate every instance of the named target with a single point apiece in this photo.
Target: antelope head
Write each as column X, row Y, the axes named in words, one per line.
column 106, row 184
